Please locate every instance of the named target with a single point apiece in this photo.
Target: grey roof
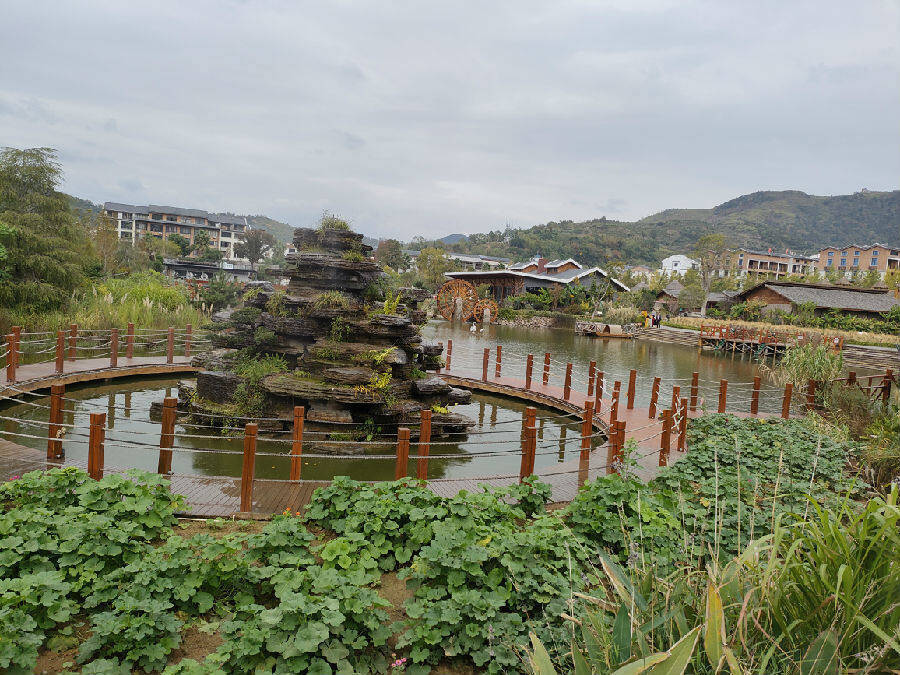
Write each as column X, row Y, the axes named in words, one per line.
column 673, row 288
column 228, row 218
column 560, row 263
column 832, row 297
column 178, row 211
column 790, row 256
column 565, row 277
column 721, row 296
column 125, row 208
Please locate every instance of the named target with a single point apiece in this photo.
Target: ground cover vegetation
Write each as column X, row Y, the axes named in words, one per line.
column 757, row 552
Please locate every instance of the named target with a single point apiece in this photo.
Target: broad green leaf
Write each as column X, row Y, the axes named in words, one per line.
column 540, row 659
column 578, row 660
column 678, row 656
column 641, row 665
column 714, row 635
column 880, row 633
column 822, row 657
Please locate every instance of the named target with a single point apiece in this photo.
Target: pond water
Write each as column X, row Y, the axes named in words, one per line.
column 491, row 449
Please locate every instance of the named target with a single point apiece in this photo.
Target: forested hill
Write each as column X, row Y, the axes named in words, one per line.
column 780, row 220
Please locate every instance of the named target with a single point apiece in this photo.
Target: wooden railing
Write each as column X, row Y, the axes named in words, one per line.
column 770, row 336
column 62, row 347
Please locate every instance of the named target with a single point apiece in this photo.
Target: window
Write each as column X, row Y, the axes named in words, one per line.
column 830, row 254
column 830, row 260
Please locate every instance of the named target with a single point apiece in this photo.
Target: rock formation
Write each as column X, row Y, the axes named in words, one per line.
column 343, row 347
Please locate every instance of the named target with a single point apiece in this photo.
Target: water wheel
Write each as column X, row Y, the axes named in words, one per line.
column 489, row 305
column 457, row 297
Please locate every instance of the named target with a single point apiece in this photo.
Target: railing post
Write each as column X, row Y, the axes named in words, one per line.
column 485, row 357
column 587, row 428
column 188, row 332
column 598, row 390
column 449, row 354
column 665, row 438
column 682, row 426
column 170, row 347
column 529, row 442
column 851, row 378
column 786, row 401
column 129, row 342
column 592, row 373
column 12, row 357
column 424, row 444
column 297, row 442
column 614, row 403
column 695, row 388
column 402, row 453
column 529, row 368
column 619, row 455
column 654, row 397
column 632, row 383
column 546, row 368
column 723, row 395
column 167, row 435
column 754, row 399
column 497, row 365
column 113, row 347
column 60, row 351
column 886, row 385
column 676, row 394
column 567, row 385
column 73, row 340
column 811, row 395
column 54, row 442
column 96, row 437
column 248, row 469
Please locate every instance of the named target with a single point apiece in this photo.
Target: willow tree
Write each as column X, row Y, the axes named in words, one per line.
column 45, row 248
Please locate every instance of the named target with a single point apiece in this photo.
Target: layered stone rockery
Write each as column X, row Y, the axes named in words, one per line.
column 346, row 349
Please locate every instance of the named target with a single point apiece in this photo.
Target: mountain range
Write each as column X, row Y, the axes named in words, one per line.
column 779, row 220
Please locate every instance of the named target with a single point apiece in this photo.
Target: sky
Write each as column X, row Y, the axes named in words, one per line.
column 425, row 118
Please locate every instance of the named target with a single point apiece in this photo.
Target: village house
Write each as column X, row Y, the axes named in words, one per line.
column 678, row 264
column 533, row 275
column 874, row 257
column 667, row 298
column 787, row 296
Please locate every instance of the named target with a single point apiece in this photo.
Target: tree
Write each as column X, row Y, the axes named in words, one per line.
column 254, row 245
column 693, row 295
column 219, row 293
column 709, row 250
column 892, row 279
column 45, row 249
column 433, row 263
column 183, row 244
column 390, row 253
column 203, row 248
column 106, row 243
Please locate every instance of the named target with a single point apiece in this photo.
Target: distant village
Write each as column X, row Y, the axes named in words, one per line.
column 855, row 279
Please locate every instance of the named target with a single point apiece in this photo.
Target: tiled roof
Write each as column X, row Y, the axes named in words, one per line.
column 832, row 297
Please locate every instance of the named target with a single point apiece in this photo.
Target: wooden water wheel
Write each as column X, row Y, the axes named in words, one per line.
column 457, row 296
column 486, row 304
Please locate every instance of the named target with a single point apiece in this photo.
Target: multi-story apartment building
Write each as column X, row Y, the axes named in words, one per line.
column 849, row 259
column 133, row 222
column 767, row 264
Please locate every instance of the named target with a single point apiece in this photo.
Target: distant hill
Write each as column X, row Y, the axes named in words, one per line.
column 281, row 231
column 780, row 220
column 453, row 238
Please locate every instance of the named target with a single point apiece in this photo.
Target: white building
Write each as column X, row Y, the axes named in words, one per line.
column 678, row 264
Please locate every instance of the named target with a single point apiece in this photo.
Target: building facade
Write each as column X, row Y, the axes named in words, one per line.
column 133, row 222
column 849, row 259
column 768, row 264
column 678, row 264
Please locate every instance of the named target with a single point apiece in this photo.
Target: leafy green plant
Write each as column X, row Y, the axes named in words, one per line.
column 391, row 302
column 340, row 330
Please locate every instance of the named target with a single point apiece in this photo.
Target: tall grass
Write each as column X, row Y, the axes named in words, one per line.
column 147, row 299
column 802, row 363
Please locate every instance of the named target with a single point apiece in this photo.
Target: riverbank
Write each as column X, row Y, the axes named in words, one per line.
column 852, row 337
column 529, row 318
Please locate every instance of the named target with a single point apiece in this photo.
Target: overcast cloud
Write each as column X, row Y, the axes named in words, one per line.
column 429, row 118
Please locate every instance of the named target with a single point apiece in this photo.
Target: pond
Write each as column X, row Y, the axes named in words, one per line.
column 492, row 448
